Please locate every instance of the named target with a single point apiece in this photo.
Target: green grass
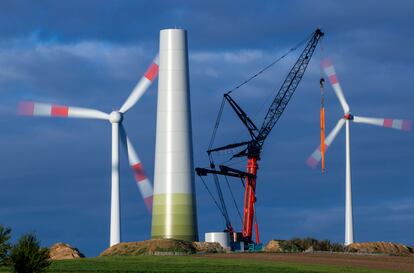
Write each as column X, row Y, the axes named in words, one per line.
column 189, row 264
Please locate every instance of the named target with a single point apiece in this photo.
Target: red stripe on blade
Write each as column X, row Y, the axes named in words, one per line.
column 139, row 172
column 148, row 202
column 326, row 147
column 406, row 125
column 387, row 123
column 59, row 111
column 326, row 63
column 152, row 72
column 333, row 79
column 26, row 108
column 312, row 162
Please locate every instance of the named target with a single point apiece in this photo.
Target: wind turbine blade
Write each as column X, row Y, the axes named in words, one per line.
column 316, row 156
column 29, row 108
column 141, row 86
column 329, row 70
column 399, row 124
column 142, row 181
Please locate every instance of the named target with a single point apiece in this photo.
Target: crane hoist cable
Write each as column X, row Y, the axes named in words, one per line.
column 322, row 125
column 212, row 197
column 222, row 202
column 322, row 113
column 234, row 200
column 270, row 65
column 217, row 123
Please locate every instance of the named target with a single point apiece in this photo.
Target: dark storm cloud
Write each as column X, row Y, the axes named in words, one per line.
column 211, row 23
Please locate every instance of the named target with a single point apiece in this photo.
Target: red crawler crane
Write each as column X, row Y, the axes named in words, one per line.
column 255, row 145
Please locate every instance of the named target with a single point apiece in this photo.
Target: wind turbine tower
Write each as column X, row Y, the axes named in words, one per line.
column 29, row 108
column 313, row 160
column 174, row 208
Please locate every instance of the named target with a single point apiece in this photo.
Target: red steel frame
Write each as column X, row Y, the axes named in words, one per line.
column 250, row 199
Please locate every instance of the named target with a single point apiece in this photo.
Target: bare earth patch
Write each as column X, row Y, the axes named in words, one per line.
column 404, row 264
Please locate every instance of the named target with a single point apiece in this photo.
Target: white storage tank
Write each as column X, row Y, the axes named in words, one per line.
column 222, row 238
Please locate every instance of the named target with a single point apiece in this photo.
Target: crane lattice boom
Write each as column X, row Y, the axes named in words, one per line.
column 288, row 87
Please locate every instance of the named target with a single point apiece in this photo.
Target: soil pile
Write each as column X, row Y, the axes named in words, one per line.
column 207, row 247
column 62, row 251
column 151, row 247
column 380, row 248
column 272, row 246
column 162, row 247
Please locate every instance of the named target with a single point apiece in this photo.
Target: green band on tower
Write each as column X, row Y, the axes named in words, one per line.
column 174, row 217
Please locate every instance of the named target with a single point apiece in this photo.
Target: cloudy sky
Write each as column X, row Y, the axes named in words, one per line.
column 55, row 173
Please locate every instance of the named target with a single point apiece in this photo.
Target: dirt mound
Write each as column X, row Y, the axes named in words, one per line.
column 272, row 246
column 207, row 247
column 62, row 251
column 380, row 248
column 162, row 247
column 151, row 247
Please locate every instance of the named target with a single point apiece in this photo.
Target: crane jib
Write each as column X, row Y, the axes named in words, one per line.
column 288, row 87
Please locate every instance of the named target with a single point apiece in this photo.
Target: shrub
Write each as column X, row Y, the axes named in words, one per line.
column 28, row 257
column 290, row 246
column 303, row 244
column 335, row 247
column 4, row 244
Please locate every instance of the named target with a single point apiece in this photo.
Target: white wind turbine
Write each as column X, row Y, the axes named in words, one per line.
column 314, row 159
column 116, row 117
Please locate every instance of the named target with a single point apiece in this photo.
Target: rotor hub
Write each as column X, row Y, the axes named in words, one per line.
column 348, row 117
column 115, row 117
